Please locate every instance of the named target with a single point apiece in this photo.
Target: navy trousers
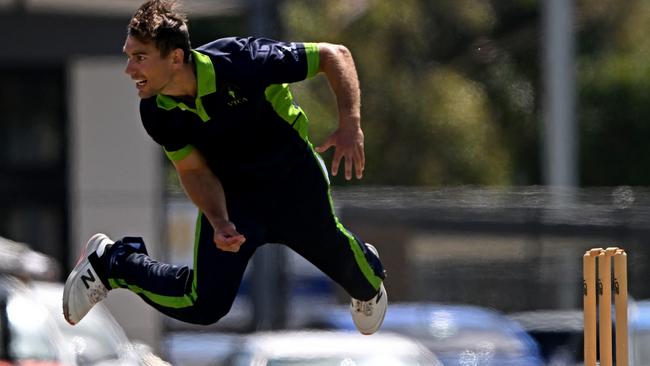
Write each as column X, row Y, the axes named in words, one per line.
column 297, row 212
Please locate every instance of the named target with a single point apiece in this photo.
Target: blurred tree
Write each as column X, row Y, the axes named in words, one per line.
column 614, row 85
column 444, row 101
column 451, row 88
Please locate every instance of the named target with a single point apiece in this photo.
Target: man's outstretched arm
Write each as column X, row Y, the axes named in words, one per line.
column 338, row 66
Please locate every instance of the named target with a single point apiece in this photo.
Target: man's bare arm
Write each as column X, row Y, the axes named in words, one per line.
column 206, row 191
column 338, row 66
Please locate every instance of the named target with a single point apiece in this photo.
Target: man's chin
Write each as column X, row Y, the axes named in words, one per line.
column 144, row 94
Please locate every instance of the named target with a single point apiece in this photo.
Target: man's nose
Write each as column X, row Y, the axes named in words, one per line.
column 129, row 68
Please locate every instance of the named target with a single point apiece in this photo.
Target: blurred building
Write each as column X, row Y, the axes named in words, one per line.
column 508, row 248
column 512, row 249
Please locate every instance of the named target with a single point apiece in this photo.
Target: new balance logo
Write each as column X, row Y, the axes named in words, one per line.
column 86, row 279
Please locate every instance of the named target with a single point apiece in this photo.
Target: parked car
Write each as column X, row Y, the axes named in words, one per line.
column 199, row 348
column 456, row 334
column 29, row 335
column 559, row 333
column 33, row 330
column 19, row 260
column 326, row 348
column 98, row 339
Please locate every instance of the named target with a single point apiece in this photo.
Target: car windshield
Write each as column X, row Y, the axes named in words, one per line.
column 443, row 334
column 26, row 322
column 481, row 340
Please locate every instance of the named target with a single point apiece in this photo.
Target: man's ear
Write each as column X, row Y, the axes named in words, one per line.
column 178, row 56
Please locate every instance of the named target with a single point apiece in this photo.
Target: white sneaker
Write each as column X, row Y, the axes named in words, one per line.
column 369, row 315
column 83, row 288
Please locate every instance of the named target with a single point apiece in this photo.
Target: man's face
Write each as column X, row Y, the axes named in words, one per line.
column 151, row 72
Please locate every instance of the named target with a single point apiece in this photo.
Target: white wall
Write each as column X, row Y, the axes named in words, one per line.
column 115, row 176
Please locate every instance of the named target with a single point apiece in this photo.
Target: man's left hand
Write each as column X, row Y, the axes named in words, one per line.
column 348, row 144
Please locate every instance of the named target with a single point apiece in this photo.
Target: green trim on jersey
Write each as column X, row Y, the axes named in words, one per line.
column 205, row 84
column 313, row 59
column 179, row 154
column 281, row 99
column 197, row 236
column 205, row 74
column 279, row 95
column 359, row 257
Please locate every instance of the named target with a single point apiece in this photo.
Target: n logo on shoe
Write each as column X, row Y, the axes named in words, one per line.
column 379, row 295
column 90, row 278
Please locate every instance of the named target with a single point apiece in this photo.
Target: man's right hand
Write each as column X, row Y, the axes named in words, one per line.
column 227, row 238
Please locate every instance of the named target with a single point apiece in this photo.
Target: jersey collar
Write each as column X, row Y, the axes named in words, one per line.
column 205, row 84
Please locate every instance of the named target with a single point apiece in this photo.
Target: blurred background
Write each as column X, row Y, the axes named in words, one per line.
column 503, row 139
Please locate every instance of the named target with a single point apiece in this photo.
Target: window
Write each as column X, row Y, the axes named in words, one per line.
column 33, row 195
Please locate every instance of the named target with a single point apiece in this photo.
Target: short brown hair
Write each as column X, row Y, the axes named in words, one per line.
column 161, row 22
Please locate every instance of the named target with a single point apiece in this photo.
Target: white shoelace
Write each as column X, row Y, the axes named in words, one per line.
column 96, row 295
